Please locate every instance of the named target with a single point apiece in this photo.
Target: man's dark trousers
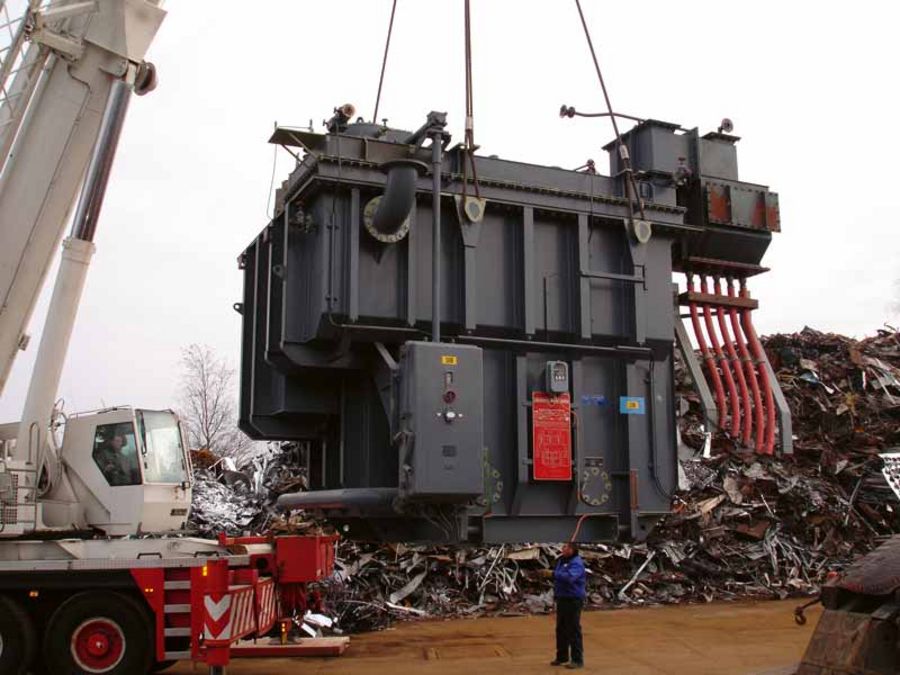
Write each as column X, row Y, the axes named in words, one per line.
column 568, row 629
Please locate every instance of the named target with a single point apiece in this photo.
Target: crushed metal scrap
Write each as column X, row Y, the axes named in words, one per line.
column 235, row 500
column 742, row 525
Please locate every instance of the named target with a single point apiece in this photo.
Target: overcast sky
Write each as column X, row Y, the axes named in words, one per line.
column 811, row 88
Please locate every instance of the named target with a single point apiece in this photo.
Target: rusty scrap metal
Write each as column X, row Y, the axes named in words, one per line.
column 743, row 525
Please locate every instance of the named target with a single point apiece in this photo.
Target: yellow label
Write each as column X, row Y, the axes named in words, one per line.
column 447, row 360
column 632, row 405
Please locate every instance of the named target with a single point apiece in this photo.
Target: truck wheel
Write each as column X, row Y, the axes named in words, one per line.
column 98, row 632
column 18, row 640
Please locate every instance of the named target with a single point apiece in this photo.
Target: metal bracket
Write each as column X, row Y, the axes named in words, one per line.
column 641, row 230
column 471, row 211
column 693, row 365
column 69, row 48
column 434, row 125
column 122, row 68
column 385, row 374
column 785, row 423
column 611, row 276
column 61, row 12
column 392, row 365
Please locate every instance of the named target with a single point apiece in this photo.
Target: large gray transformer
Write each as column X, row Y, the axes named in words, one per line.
column 546, row 410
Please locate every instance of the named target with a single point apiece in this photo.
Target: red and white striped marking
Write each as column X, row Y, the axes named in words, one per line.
column 240, row 612
column 231, row 617
column 243, row 614
column 265, row 594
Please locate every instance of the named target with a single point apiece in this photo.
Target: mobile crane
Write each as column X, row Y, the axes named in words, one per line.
column 89, row 567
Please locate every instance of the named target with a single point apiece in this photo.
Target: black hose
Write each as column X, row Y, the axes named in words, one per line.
column 399, row 195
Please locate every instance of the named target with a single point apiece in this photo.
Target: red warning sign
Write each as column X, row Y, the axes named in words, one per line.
column 551, row 431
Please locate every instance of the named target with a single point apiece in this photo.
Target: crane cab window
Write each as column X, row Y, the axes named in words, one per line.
column 115, row 453
column 163, row 453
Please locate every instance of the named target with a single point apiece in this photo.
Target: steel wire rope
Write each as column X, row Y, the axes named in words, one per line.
column 269, row 213
column 469, row 135
column 629, row 176
column 620, row 146
column 387, row 45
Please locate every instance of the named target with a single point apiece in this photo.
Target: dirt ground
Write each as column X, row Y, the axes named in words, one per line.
column 718, row 638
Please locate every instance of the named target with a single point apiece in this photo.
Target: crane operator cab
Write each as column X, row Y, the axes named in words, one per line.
column 122, row 471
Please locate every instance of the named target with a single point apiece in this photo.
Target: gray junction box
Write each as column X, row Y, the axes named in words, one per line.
column 441, row 424
column 337, row 319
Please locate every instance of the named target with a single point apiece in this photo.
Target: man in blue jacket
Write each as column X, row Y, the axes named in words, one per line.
column 569, row 580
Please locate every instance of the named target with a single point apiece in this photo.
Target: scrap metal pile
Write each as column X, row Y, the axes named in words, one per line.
column 240, row 500
column 742, row 525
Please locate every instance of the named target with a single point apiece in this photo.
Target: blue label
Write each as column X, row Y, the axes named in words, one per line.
column 631, row 405
column 593, row 399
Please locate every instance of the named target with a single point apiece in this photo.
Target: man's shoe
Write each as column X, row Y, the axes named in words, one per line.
column 558, row 662
column 575, row 665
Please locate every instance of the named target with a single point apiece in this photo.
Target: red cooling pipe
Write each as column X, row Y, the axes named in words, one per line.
column 736, row 367
column 734, row 429
column 759, row 356
column 751, row 378
column 707, row 357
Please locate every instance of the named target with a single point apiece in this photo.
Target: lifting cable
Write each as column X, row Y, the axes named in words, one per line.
column 387, row 46
column 469, row 146
column 631, row 194
column 620, row 146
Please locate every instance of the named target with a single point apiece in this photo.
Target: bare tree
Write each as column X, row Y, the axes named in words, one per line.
column 207, row 402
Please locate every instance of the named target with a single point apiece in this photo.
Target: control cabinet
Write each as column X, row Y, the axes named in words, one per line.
column 441, row 421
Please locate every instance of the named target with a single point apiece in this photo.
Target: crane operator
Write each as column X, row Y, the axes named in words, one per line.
column 116, row 455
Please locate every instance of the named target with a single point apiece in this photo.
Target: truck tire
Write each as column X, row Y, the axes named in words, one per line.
column 98, row 632
column 18, row 639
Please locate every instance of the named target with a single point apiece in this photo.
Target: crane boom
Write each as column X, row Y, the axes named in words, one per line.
column 59, row 70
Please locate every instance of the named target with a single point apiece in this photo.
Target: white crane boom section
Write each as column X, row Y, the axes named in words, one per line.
column 55, row 79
